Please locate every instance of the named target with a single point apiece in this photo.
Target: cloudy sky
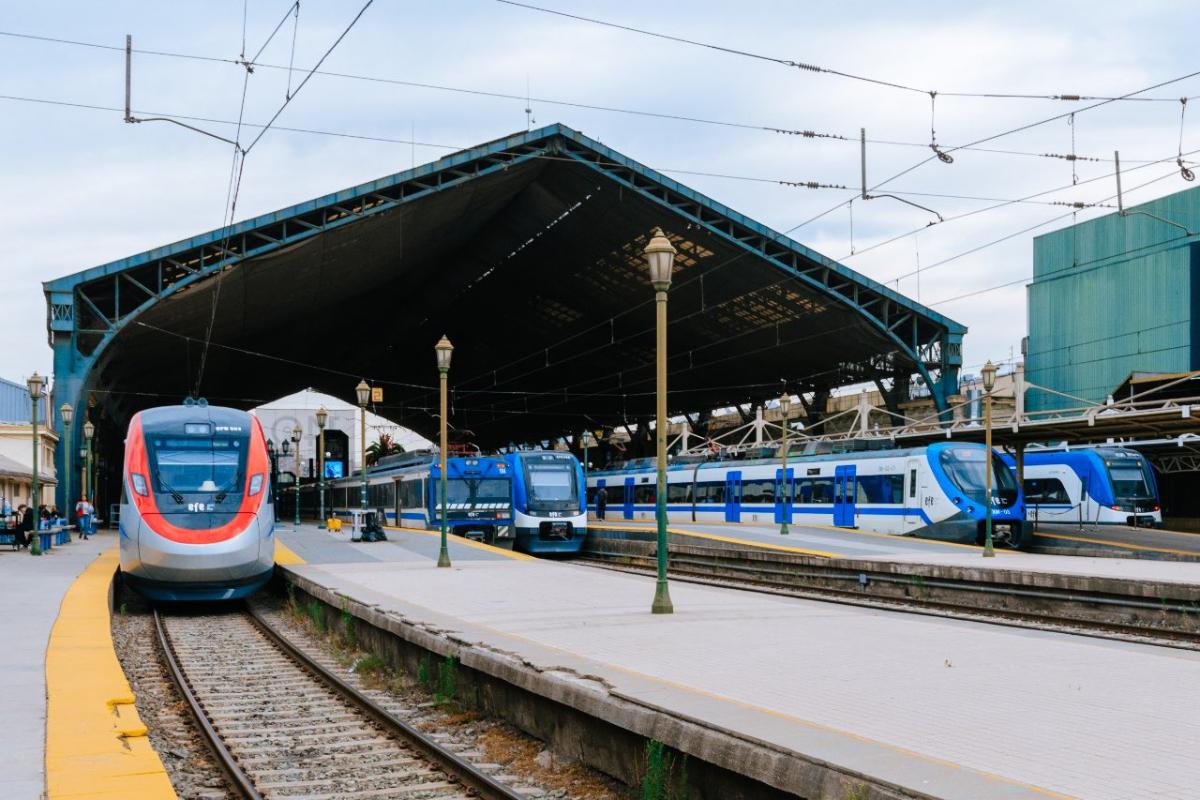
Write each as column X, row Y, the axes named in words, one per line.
column 80, row 188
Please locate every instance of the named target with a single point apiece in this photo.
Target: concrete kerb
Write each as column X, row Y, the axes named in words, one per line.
column 730, row 764
column 1098, row 585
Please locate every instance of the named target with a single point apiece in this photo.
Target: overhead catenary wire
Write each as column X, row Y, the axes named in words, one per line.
column 777, row 129
column 801, row 65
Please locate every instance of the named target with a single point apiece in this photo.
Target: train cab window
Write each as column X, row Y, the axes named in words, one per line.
column 679, row 493
column 644, row 493
column 1045, row 490
column 759, row 491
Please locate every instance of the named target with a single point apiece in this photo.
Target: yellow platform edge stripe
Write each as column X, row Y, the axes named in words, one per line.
column 468, row 542
column 1116, row 544
column 96, row 744
column 728, row 539
column 285, row 555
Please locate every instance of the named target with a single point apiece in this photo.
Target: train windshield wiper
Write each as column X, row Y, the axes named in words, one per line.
column 220, row 496
column 175, row 495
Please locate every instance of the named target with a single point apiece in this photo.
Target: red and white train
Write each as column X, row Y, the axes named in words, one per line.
column 197, row 521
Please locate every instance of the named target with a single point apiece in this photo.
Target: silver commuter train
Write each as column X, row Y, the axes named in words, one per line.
column 197, row 520
column 935, row 491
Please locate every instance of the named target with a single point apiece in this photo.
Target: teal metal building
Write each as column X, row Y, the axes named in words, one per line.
column 1112, row 296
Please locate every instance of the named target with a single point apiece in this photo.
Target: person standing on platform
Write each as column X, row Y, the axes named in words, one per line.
column 24, row 524
column 601, row 503
column 83, row 513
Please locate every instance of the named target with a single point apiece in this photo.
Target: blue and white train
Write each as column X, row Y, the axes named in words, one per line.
column 935, row 491
column 532, row 501
column 1100, row 485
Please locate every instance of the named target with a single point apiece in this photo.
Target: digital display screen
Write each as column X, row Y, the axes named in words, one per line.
column 334, row 469
column 197, row 428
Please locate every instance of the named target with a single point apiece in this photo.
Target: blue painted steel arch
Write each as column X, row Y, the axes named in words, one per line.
column 85, row 312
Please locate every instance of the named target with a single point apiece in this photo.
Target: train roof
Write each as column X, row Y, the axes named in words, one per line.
column 165, row 418
column 860, row 455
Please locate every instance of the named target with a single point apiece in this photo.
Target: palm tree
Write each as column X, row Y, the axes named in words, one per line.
column 386, row 446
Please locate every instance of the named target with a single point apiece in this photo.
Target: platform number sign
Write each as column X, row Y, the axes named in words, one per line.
column 376, row 394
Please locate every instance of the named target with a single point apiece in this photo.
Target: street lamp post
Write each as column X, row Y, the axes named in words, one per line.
column 67, row 414
column 989, row 381
column 89, row 431
column 785, row 485
column 35, row 384
column 444, row 350
column 364, row 394
column 660, row 256
column 322, row 416
column 296, row 434
column 588, row 441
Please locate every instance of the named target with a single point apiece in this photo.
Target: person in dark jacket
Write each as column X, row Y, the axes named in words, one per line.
column 601, row 503
column 24, row 524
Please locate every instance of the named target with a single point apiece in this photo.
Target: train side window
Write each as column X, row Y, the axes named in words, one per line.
column 1045, row 490
column 710, row 492
column 885, row 489
column 822, row 490
column 912, row 483
column 760, row 491
column 644, row 493
column 679, row 493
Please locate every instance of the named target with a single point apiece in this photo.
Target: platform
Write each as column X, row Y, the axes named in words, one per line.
column 945, row 708
column 880, row 547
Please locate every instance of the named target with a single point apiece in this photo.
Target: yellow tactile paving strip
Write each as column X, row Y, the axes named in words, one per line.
column 96, row 745
column 285, row 554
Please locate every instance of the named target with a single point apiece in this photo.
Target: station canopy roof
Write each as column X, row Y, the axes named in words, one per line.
column 527, row 253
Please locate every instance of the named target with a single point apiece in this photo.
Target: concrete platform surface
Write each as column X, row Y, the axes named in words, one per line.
column 315, row 545
column 921, row 551
column 950, row 708
column 31, row 591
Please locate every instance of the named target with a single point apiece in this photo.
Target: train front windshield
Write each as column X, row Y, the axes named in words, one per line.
column 477, row 491
column 551, row 483
column 1129, row 480
column 200, row 465
column 965, row 466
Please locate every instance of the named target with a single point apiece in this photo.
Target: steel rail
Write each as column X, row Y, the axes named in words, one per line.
column 233, row 771
column 463, row 771
column 761, row 582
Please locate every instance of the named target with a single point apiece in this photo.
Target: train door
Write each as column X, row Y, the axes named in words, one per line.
column 733, row 496
column 399, row 509
column 783, row 496
column 628, row 508
column 845, row 488
column 914, row 490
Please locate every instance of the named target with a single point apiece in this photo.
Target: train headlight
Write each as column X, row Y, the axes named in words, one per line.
column 139, row 483
column 256, row 484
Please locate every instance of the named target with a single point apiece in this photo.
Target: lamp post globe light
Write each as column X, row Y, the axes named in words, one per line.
column 296, row 434
column 35, row 383
column 785, row 480
column 363, row 391
column 67, row 414
column 660, row 257
column 444, row 350
column 989, row 382
column 322, row 417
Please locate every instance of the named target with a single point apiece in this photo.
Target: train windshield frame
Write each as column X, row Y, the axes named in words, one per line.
column 475, row 491
column 551, row 483
column 965, row 468
column 198, row 465
column 1130, row 479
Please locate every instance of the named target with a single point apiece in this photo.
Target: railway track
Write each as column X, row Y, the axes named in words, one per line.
column 282, row 725
column 729, row 572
